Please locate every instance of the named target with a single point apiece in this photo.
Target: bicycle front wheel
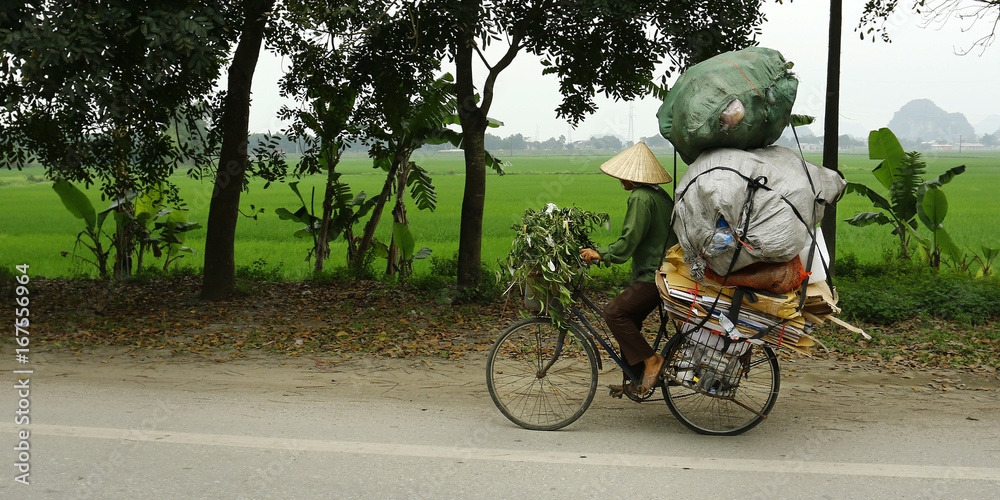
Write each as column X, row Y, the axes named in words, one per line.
column 540, row 378
column 726, row 411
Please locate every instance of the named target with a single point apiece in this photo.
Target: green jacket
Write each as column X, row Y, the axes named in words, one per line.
column 646, row 232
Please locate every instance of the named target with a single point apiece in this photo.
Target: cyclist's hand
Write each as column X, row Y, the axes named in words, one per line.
column 589, row 255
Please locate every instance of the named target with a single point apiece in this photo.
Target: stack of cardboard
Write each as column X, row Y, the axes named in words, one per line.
column 690, row 302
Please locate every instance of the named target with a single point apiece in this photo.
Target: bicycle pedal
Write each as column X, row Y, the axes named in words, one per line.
column 616, row 391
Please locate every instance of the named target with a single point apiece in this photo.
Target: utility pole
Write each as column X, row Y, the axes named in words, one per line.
column 831, row 128
column 631, row 130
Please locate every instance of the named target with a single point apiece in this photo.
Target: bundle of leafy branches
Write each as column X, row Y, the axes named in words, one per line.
column 544, row 258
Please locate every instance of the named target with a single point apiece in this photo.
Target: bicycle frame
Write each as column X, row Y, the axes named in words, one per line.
column 594, row 336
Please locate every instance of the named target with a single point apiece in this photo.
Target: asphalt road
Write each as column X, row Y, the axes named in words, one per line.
column 135, row 426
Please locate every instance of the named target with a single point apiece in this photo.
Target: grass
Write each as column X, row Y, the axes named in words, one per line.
column 36, row 228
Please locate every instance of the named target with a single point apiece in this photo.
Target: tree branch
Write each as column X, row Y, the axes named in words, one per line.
column 501, row 65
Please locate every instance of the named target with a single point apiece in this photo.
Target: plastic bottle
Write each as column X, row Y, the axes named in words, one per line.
column 729, row 327
column 722, row 240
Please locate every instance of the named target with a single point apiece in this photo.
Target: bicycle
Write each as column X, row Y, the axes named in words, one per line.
column 544, row 378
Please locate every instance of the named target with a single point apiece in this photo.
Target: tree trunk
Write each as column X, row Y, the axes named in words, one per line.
column 831, row 131
column 219, row 278
column 472, row 119
column 372, row 225
column 124, row 241
column 322, row 249
column 470, row 240
column 396, row 264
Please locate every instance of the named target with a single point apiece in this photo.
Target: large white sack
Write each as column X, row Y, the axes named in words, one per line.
column 716, row 185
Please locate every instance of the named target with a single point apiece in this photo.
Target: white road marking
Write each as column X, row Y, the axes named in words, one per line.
column 533, row 456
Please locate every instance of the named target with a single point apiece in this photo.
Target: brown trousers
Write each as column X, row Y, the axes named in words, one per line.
column 625, row 315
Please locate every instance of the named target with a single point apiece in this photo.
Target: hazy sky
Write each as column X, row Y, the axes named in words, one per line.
column 876, row 78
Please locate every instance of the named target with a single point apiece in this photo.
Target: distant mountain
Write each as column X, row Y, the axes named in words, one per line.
column 988, row 126
column 847, row 127
column 854, row 129
column 803, row 131
column 921, row 119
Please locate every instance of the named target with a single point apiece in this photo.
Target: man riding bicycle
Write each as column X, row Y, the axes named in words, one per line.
column 646, row 234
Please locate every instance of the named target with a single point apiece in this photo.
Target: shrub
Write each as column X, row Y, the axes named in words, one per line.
column 259, row 270
column 442, row 278
column 896, row 290
column 874, row 300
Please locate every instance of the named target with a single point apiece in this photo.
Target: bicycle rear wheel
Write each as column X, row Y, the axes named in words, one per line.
column 528, row 393
column 725, row 409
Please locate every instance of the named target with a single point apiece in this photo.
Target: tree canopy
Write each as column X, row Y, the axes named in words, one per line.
column 97, row 93
column 591, row 46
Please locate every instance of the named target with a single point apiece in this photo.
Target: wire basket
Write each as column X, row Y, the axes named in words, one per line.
column 710, row 362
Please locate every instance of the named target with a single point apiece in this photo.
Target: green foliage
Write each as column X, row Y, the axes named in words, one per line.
column 910, row 199
column 259, row 270
column 590, row 46
column 421, row 189
column 896, row 290
column 985, row 261
column 544, row 258
column 403, row 238
column 347, row 211
column 100, row 93
column 441, row 275
column 77, row 203
column 169, row 225
column 348, row 94
column 871, row 300
column 167, row 237
column 134, row 212
column 633, row 37
column 441, row 281
column 801, row 120
column 979, row 264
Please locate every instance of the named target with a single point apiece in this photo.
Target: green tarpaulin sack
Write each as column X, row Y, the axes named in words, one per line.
column 741, row 99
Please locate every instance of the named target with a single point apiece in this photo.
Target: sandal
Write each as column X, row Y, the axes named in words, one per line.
column 651, row 381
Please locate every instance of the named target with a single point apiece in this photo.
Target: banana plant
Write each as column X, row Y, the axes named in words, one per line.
column 348, row 210
column 157, row 228
column 401, row 262
column 425, row 122
column 92, row 236
column 167, row 238
column 932, row 208
column 985, row 261
column 910, row 198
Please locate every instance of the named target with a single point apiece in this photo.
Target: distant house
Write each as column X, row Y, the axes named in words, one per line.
column 970, row 146
column 941, row 147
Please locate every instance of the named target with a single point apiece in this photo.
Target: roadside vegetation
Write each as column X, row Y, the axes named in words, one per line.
column 945, row 317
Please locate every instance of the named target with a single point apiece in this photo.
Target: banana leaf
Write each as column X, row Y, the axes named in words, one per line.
column 77, row 203
column 883, row 145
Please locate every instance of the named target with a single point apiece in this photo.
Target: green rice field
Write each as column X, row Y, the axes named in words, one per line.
column 35, row 228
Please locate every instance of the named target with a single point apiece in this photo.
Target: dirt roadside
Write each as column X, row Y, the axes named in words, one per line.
column 809, row 386
column 372, row 340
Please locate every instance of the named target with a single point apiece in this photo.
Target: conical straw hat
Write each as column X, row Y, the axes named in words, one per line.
column 636, row 164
